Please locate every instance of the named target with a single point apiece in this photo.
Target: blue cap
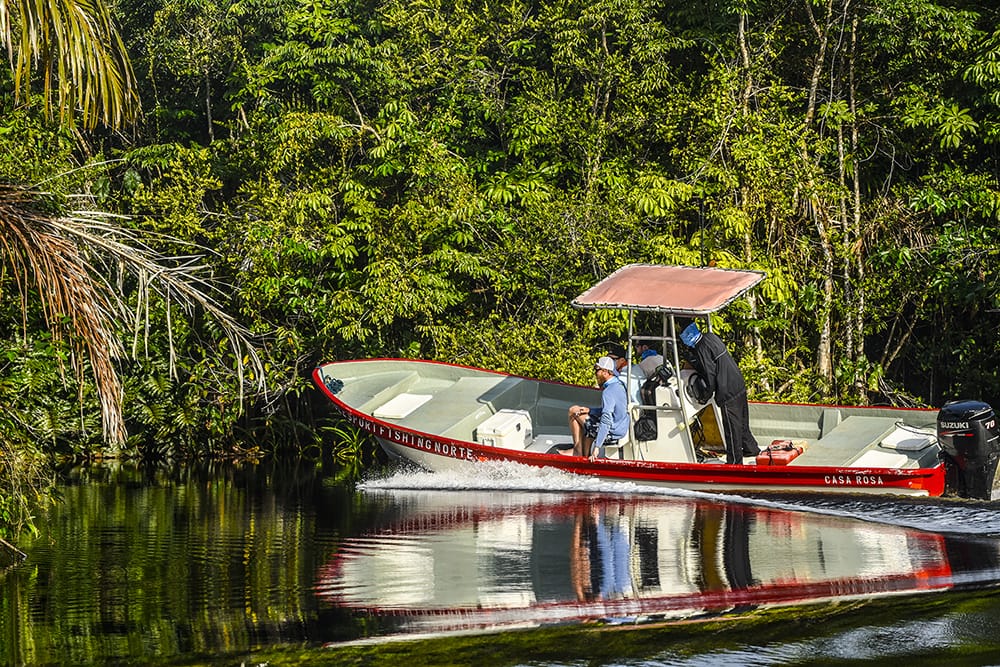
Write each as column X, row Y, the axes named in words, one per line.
column 691, row 335
column 647, row 353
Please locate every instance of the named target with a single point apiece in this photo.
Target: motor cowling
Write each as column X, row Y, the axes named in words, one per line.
column 970, row 447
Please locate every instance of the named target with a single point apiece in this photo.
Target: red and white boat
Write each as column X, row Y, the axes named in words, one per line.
column 443, row 416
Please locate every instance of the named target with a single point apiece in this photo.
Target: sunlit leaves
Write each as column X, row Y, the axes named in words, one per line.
column 952, row 192
column 835, row 112
column 949, row 122
column 657, row 196
column 953, row 124
column 73, row 47
column 780, row 287
column 504, row 188
column 172, row 201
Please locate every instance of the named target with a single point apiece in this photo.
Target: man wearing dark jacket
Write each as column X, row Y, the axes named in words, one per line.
column 725, row 381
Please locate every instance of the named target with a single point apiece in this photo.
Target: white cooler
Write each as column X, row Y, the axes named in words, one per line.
column 506, row 428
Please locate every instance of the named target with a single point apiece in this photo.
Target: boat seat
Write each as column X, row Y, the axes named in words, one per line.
column 829, row 420
column 616, row 445
column 879, row 459
column 508, row 393
column 846, row 440
column 400, row 406
column 372, row 392
column 470, row 400
column 905, row 439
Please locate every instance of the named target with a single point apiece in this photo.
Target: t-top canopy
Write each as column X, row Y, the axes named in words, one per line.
column 674, row 290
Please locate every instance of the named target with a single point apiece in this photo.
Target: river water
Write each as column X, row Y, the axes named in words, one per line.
column 283, row 565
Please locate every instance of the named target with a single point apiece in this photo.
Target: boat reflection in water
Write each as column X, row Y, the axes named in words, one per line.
column 463, row 560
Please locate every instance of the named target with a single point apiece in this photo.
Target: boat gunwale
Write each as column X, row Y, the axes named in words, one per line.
column 831, row 406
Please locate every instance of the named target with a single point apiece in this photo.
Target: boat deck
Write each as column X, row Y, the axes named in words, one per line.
column 453, row 402
column 448, row 406
column 453, row 405
column 841, row 444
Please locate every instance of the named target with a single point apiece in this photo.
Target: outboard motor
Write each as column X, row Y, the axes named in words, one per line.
column 970, row 443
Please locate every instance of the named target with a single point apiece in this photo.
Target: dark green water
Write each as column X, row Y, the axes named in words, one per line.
column 253, row 565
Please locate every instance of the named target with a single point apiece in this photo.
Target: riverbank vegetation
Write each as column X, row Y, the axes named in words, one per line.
column 439, row 180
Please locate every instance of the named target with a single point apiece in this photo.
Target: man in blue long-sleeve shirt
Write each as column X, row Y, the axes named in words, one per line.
column 592, row 427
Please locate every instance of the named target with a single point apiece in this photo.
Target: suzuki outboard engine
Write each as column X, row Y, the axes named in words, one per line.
column 970, row 443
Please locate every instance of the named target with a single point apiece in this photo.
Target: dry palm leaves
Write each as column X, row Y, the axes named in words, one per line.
column 63, row 258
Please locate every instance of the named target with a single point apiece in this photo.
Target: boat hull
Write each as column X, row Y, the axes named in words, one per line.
column 436, row 451
column 688, row 476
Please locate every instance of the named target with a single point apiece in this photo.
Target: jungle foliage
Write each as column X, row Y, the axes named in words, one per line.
column 439, row 179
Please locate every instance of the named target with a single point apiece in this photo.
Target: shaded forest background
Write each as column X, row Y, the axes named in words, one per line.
column 440, row 179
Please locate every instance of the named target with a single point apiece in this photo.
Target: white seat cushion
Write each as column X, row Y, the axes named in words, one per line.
column 907, row 440
column 401, row 406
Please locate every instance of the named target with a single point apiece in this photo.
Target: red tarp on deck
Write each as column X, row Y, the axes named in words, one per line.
column 680, row 290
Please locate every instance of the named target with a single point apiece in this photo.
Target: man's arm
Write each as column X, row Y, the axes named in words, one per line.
column 607, row 419
column 708, row 353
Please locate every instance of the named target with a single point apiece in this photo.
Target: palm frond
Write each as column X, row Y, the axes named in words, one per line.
column 71, row 301
column 67, row 259
column 74, row 47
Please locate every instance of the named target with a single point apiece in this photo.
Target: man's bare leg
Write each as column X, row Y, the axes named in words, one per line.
column 577, row 420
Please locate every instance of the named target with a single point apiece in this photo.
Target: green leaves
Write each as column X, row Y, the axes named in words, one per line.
column 440, row 179
column 953, row 123
column 985, row 70
column 658, row 196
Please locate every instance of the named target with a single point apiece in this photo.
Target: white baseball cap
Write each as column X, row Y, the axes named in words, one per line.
column 606, row 363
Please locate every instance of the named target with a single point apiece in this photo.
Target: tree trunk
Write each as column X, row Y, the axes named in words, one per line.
column 741, row 37
column 824, row 353
column 208, row 107
column 857, row 238
column 822, row 33
column 756, row 342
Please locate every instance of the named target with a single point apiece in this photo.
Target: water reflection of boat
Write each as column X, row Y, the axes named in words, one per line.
column 481, row 560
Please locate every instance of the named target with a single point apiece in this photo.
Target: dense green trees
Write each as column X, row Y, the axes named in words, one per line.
column 514, row 154
column 439, row 179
